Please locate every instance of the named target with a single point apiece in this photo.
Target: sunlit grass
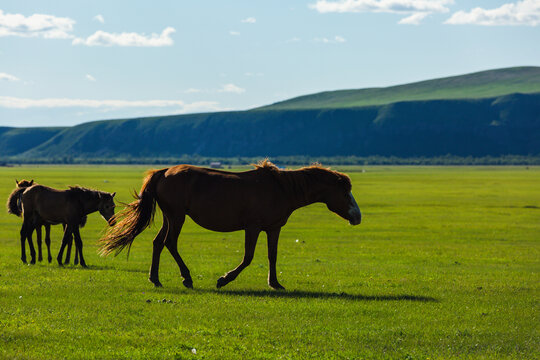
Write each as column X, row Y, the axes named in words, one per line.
column 445, row 265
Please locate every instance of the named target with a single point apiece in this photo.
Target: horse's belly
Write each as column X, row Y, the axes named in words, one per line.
column 218, row 222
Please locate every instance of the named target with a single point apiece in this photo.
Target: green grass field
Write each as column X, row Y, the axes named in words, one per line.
column 444, row 266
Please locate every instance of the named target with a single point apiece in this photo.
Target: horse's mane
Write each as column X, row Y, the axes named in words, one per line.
column 82, row 191
column 297, row 181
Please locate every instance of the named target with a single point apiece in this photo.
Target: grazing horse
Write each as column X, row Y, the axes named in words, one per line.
column 14, row 207
column 253, row 201
column 70, row 207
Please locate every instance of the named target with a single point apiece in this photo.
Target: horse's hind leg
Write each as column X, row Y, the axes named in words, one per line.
column 251, row 241
column 48, row 241
column 175, row 226
column 23, row 240
column 38, row 237
column 158, row 244
column 31, row 244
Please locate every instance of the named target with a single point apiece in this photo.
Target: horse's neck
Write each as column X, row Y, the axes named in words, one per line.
column 309, row 190
column 90, row 204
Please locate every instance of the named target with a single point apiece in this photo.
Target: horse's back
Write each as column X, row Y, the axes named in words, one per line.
column 46, row 202
column 221, row 200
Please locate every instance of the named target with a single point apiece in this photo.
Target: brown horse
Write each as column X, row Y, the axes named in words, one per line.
column 14, row 207
column 253, row 201
column 41, row 204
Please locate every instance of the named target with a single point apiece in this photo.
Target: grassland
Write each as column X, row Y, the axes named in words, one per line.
column 444, row 266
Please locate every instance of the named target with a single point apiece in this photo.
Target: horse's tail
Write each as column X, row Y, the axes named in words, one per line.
column 14, row 202
column 136, row 217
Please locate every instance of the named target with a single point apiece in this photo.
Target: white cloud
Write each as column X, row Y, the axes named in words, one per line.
column 99, row 18
column 293, row 40
column 231, row 88
column 193, row 91
column 8, row 77
column 254, row 74
column 336, row 40
column 25, row 103
column 526, row 12
column 36, row 25
column 102, row 38
column 417, row 9
column 234, row 33
column 395, row 6
column 249, row 20
column 90, row 77
column 414, row 19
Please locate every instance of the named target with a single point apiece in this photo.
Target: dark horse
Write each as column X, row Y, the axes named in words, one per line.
column 14, row 207
column 44, row 205
column 253, row 201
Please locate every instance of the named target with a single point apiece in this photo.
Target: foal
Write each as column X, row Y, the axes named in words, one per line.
column 70, row 207
column 14, row 206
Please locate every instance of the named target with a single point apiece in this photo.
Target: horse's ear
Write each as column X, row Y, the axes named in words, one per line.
column 16, row 181
column 114, row 193
column 31, row 182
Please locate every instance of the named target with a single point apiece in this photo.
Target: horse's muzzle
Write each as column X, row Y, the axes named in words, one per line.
column 355, row 219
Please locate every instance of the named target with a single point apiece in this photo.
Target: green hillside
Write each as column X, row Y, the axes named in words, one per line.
column 483, row 84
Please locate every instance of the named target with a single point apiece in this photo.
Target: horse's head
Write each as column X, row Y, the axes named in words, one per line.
column 106, row 207
column 24, row 183
column 339, row 198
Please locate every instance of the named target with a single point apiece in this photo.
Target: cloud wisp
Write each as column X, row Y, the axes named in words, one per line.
column 335, row 40
column 8, row 77
column 36, row 25
column 249, row 20
column 102, row 38
column 99, row 18
column 231, row 88
column 90, row 78
column 525, row 12
column 416, row 10
column 26, row 103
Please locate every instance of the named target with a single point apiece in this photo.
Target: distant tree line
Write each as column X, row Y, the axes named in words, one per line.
column 287, row 160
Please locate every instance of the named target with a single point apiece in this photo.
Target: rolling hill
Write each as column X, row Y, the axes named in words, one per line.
column 464, row 123
column 483, row 84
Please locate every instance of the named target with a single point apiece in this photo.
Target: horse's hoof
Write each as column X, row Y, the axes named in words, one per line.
column 50, row 260
column 24, row 261
column 33, row 261
column 221, row 282
column 276, row 286
column 83, row 265
column 188, row 283
column 40, row 259
column 156, row 283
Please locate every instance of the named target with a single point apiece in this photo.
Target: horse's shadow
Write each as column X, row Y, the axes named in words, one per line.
column 101, row 267
column 303, row 294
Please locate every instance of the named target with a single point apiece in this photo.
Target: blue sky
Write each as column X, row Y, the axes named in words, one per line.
column 68, row 62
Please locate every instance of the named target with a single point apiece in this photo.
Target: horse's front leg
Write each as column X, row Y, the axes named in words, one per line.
column 65, row 239
column 78, row 246
column 249, row 250
column 273, row 237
